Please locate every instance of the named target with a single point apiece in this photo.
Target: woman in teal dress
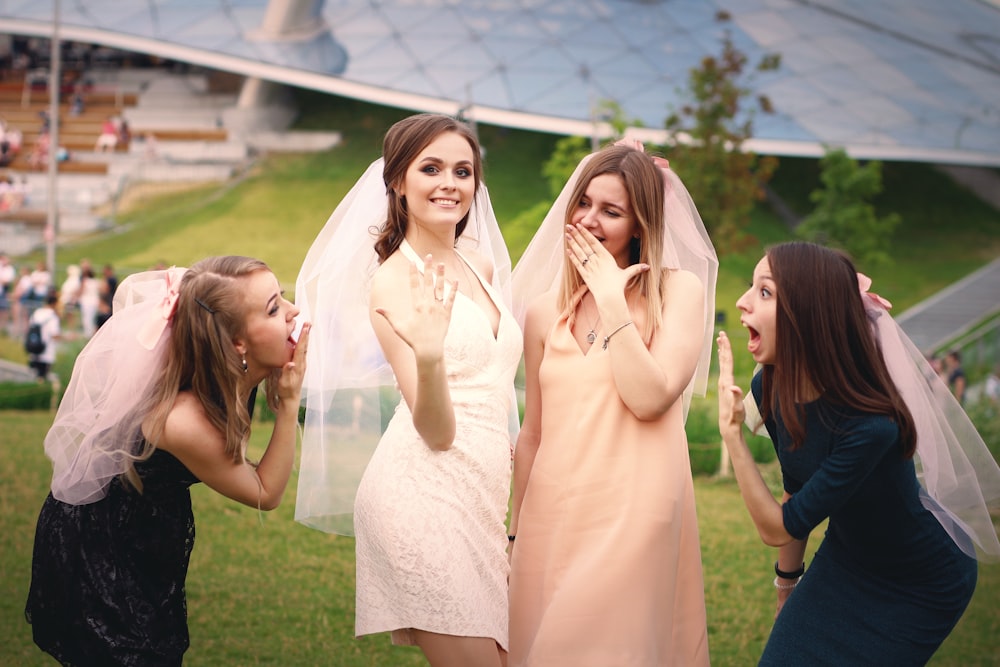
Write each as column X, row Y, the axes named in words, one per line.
column 842, row 396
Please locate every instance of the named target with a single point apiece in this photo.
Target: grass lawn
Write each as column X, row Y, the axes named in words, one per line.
column 264, row 590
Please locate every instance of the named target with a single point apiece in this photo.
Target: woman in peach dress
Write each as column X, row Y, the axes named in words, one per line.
column 606, row 562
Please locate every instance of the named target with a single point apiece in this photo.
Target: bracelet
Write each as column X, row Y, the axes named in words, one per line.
column 608, row 337
column 510, row 538
column 785, row 587
column 789, row 575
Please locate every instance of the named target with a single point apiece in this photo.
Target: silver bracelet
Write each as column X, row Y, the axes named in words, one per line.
column 608, row 337
column 785, row 587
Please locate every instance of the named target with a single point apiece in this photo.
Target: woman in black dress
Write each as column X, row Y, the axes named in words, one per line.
column 843, row 395
column 159, row 400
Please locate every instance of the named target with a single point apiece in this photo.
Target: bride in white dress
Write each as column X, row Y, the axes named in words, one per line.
column 430, row 509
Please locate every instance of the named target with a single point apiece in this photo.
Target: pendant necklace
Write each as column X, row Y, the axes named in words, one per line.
column 592, row 334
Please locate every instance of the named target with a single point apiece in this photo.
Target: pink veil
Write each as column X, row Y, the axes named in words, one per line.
column 96, row 431
column 953, row 464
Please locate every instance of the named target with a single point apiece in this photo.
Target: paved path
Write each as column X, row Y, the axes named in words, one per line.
column 955, row 309
column 981, row 181
column 960, row 306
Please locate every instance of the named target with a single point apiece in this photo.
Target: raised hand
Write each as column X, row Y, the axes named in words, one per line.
column 596, row 265
column 731, row 410
column 293, row 372
column 432, row 298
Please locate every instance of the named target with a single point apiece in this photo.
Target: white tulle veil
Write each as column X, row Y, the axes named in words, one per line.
column 349, row 389
column 953, row 464
column 96, row 432
column 686, row 246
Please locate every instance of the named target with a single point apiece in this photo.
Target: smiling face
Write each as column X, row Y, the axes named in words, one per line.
column 266, row 341
column 759, row 308
column 439, row 185
column 606, row 212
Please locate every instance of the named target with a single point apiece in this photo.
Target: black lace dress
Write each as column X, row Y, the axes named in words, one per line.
column 107, row 579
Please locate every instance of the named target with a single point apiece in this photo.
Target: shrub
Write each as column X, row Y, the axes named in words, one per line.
column 25, row 396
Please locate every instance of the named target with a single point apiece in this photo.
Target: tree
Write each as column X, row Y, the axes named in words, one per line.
column 844, row 216
column 563, row 161
column 707, row 137
column 570, row 150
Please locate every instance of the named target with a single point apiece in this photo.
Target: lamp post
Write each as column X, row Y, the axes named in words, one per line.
column 52, row 222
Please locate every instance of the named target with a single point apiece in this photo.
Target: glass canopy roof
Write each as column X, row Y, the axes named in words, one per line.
column 896, row 79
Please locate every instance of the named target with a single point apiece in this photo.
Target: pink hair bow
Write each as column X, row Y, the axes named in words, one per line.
column 865, row 283
column 660, row 162
column 151, row 331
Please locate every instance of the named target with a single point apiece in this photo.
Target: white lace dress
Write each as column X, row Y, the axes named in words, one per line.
column 430, row 526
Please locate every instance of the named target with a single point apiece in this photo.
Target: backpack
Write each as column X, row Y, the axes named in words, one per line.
column 34, row 343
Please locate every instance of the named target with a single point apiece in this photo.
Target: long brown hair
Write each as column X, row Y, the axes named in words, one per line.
column 822, row 335
column 200, row 355
column 646, row 191
column 403, row 143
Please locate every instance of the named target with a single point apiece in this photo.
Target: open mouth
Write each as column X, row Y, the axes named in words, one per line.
column 754, row 343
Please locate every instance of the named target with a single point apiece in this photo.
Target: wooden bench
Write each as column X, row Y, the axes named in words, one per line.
column 35, row 96
column 20, row 163
column 28, row 216
column 206, row 134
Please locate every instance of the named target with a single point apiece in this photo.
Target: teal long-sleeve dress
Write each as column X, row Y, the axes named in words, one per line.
column 887, row 584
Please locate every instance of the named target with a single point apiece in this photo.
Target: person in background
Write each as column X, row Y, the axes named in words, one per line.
column 69, row 296
column 89, row 299
column 8, row 276
column 107, row 140
column 159, row 400
column 107, row 286
column 21, row 301
column 850, row 403
column 955, row 374
column 47, row 318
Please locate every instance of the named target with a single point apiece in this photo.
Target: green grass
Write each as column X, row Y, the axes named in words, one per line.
column 267, row 591
column 264, row 590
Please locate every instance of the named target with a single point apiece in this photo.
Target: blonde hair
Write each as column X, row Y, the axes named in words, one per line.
column 201, row 358
column 646, row 192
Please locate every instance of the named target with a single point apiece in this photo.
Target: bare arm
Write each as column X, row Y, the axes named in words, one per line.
column 790, row 559
column 539, row 319
column 765, row 510
column 191, row 437
column 411, row 328
column 649, row 380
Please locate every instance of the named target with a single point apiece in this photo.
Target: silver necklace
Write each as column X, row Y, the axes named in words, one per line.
column 592, row 334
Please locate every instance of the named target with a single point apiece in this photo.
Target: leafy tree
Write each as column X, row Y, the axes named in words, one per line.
column 570, row 150
column 707, row 137
column 844, row 216
column 559, row 167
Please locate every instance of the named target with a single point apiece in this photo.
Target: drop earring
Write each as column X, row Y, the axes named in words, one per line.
column 244, row 364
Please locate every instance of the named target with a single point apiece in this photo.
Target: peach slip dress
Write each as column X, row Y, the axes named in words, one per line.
column 431, row 538
column 606, row 569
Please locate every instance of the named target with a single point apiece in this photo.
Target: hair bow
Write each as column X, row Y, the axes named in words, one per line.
column 151, row 331
column 865, row 283
column 660, row 162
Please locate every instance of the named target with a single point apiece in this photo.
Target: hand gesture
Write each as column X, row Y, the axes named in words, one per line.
column 596, row 265
column 426, row 325
column 293, row 372
column 731, row 410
